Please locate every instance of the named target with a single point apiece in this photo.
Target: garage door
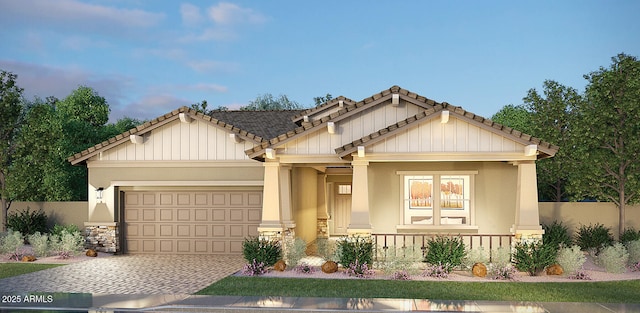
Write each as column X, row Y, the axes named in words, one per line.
column 178, row 222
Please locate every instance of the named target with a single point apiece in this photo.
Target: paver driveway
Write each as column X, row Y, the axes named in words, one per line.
column 129, row 274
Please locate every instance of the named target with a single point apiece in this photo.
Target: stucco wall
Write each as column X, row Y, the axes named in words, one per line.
column 574, row 214
column 63, row 213
column 495, row 193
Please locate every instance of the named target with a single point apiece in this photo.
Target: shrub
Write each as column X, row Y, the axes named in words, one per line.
column 304, row 268
column 394, row 259
column 633, row 247
column 436, row 271
column 629, row 234
column 401, row 275
column 446, row 251
column 533, row 257
column 501, row 257
column 476, row 255
column 571, row 259
column 254, row 268
column 614, row 258
column 295, row 251
column 28, row 222
column 326, row 249
column 261, row 250
column 360, row 270
column 12, row 243
column 594, row 238
column 67, row 244
column 39, row 243
column 504, row 272
column 58, row 229
column 355, row 250
column 556, row 235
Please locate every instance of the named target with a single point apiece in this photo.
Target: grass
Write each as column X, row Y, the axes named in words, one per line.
column 612, row 291
column 15, row 269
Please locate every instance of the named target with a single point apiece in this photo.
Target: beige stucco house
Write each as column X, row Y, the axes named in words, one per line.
column 393, row 163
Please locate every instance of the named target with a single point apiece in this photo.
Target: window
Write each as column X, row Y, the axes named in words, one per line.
column 437, row 198
column 344, row 189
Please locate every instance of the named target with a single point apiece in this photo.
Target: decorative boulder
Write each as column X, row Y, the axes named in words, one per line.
column 280, row 266
column 479, row 270
column 555, row 269
column 28, row 258
column 329, row 267
column 92, row 253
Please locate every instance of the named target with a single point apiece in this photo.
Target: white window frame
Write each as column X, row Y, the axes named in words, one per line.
column 436, row 217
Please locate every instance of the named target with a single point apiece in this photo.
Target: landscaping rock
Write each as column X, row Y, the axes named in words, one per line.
column 555, row 269
column 92, row 253
column 329, row 267
column 280, row 266
column 28, row 258
column 479, row 270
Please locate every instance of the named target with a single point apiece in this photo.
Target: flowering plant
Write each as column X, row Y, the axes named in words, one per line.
column 254, row 268
column 359, row 270
column 304, row 268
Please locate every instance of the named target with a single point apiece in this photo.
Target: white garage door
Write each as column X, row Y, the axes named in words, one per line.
column 182, row 222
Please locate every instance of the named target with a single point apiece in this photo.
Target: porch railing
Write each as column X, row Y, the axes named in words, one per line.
column 420, row 241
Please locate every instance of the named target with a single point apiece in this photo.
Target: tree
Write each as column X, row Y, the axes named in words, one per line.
column 84, row 104
column 322, row 99
column 202, row 107
column 514, row 116
column 609, row 143
column 268, row 102
column 10, row 117
column 551, row 118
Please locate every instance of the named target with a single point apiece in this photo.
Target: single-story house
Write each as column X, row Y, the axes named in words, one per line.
column 392, row 163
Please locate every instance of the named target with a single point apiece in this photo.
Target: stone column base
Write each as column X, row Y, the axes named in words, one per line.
column 102, row 237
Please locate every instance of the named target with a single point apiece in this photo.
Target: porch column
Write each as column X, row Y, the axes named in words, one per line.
column 285, row 200
column 527, row 224
column 360, row 220
column 323, row 216
column 271, row 225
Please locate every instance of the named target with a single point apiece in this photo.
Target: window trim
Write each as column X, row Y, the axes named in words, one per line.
column 402, row 227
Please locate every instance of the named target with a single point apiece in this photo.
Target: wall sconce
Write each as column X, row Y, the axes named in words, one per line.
column 99, row 192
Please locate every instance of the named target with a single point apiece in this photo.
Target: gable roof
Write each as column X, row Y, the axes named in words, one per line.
column 172, row 116
column 273, row 128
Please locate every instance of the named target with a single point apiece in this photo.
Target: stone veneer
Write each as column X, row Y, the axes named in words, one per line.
column 102, row 237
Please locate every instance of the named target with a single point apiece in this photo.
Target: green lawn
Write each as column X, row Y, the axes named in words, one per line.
column 15, row 269
column 618, row 291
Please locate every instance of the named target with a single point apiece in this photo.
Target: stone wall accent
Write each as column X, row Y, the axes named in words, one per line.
column 322, row 228
column 102, row 237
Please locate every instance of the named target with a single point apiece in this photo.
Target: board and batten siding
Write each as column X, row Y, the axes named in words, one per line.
column 195, row 141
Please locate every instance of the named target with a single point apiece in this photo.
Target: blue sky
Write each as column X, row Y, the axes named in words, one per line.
column 148, row 57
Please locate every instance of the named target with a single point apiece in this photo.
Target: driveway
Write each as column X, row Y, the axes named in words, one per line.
column 129, row 274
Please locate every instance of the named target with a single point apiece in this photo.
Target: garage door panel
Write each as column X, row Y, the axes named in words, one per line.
column 190, row 222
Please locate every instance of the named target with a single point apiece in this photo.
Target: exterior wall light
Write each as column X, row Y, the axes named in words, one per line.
column 99, row 192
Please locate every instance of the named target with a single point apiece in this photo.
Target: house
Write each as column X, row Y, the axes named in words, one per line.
column 393, row 163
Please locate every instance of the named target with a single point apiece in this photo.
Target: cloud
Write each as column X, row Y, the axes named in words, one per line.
column 75, row 15
column 210, row 66
column 208, row 87
column 149, row 107
column 190, row 14
column 228, row 13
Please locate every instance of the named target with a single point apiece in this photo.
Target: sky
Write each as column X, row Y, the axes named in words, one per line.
column 149, row 57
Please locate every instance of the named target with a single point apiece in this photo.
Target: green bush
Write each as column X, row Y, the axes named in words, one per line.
column 594, row 238
column 295, row 250
column 39, row 243
column 326, row 249
column 67, row 244
column 501, row 257
column 352, row 249
column 446, row 251
column 476, row 255
column 633, row 247
column 28, row 222
column 556, row 235
column 614, row 258
column 629, row 234
column 58, row 229
column 261, row 250
column 571, row 259
column 12, row 242
column 533, row 257
column 399, row 259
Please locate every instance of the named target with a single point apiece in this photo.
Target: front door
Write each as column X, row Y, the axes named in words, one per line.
column 342, row 208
